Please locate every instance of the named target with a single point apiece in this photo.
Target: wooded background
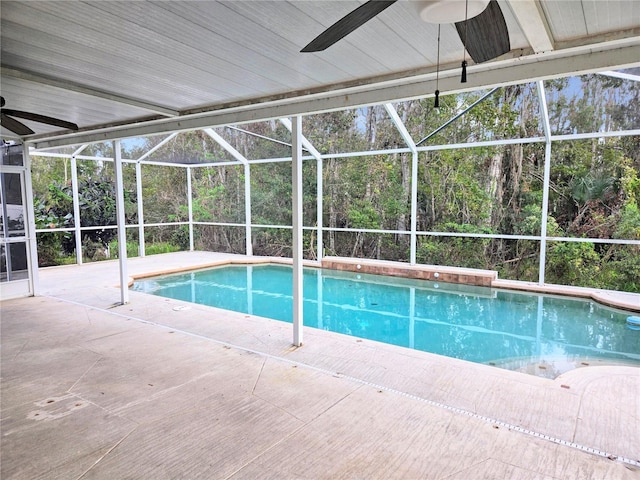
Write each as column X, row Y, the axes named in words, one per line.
column 491, row 190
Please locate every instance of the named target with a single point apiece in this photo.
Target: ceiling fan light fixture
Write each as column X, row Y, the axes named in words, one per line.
column 449, row 11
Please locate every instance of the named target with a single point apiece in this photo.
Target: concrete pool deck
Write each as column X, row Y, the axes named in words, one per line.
column 161, row 388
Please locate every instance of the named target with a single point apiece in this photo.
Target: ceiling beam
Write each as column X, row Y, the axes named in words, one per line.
column 78, row 88
column 543, row 66
column 534, row 24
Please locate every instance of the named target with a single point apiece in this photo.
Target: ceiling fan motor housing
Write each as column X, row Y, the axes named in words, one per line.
column 449, row 11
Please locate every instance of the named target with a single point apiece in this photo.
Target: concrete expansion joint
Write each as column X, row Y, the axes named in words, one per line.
column 108, row 452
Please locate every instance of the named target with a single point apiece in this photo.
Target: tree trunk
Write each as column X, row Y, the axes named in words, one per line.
column 333, row 177
column 493, row 187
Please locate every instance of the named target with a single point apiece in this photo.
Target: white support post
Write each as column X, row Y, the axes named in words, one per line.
column 545, row 212
column 296, row 180
column 76, row 209
column 247, row 185
column 122, row 233
column 414, row 208
column 32, row 256
column 406, row 136
column 141, row 245
column 316, row 154
column 544, row 112
column 247, row 210
column 190, row 208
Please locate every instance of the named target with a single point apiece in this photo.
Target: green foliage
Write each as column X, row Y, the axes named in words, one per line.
column 628, row 224
column 573, row 263
column 133, row 249
column 54, row 209
column 594, row 186
column 363, row 214
column 459, row 251
column 180, row 238
column 52, row 246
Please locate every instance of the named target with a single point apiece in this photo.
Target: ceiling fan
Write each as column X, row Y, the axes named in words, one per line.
column 20, row 128
column 480, row 24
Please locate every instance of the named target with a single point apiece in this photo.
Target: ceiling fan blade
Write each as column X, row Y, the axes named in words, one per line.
column 347, row 24
column 14, row 125
column 34, row 117
column 485, row 36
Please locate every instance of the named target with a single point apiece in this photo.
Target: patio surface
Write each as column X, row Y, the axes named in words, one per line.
column 164, row 389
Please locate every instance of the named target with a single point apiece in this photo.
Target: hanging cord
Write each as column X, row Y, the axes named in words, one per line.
column 436, row 103
column 463, row 79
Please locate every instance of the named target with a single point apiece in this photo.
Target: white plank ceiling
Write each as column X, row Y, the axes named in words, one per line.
column 102, row 64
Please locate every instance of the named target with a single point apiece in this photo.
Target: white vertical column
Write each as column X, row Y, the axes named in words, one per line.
column 406, row 136
column 296, row 221
column 414, row 207
column 545, row 212
column 76, row 209
column 247, row 185
column 190, row 208
column 544, row 112
column 247, row 209
column 32, row 248
column 316, row 154
column 122, row 234
column 141, row 246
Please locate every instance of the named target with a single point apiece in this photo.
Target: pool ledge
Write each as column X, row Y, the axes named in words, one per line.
column 622, row 300
column 467, row 276
column 239, row 260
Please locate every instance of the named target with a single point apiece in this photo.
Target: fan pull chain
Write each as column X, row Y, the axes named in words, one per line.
column 463, row 79
column 436, row 103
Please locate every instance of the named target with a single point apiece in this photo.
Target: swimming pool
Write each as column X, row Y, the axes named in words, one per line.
column 539, row 334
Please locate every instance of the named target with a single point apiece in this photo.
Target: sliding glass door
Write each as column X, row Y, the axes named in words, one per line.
column 15, row 258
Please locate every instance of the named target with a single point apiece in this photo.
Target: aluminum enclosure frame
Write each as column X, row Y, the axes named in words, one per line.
column 411, row 148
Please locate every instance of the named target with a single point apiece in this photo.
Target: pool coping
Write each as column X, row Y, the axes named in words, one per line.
column 454, row 275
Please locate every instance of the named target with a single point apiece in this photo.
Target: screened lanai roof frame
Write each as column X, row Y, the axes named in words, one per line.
column 411, row 147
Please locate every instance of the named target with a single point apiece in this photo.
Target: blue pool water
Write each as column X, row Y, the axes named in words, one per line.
column 543, row 335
